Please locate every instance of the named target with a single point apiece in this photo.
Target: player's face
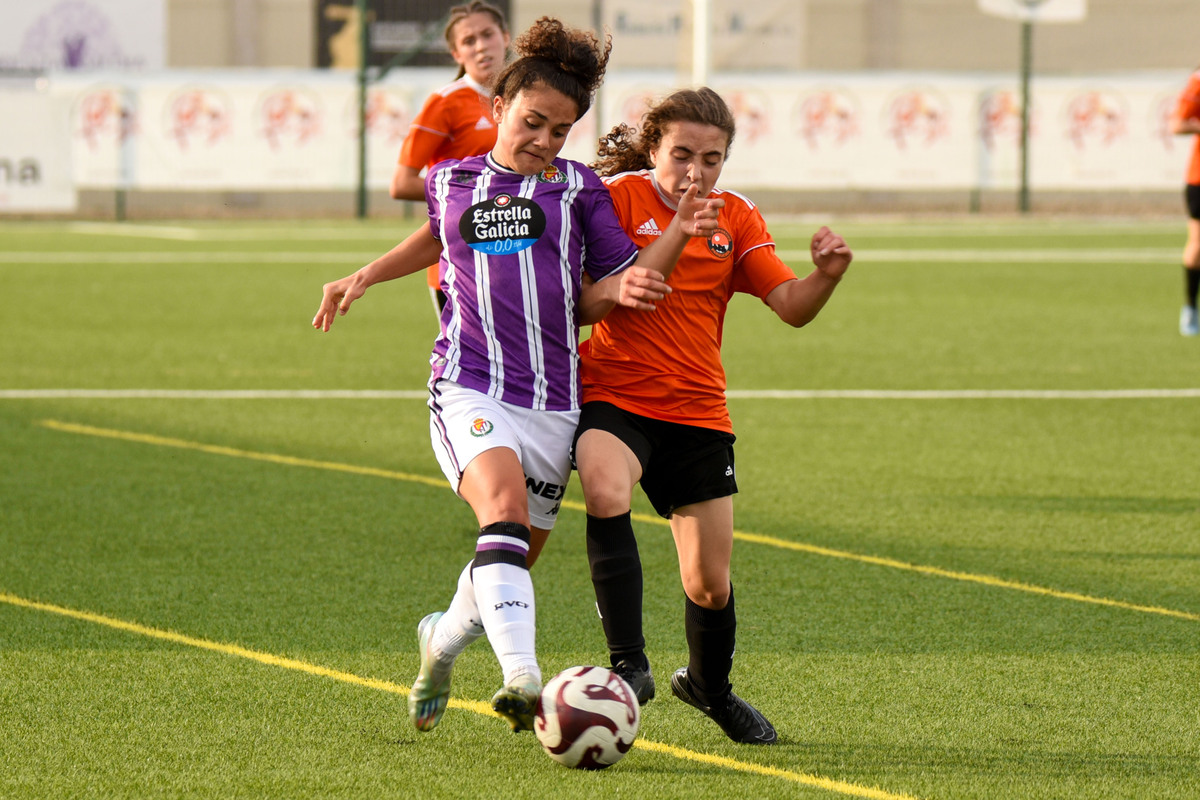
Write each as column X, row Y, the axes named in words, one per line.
column 479, row 46
column 690, row 152
column 532, row 128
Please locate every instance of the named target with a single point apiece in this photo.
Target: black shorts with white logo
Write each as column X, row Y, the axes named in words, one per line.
column 681, row 464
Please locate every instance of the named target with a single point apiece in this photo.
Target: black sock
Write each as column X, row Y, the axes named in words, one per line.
column 617, row 578
column 1191, row 280
column 710, row 637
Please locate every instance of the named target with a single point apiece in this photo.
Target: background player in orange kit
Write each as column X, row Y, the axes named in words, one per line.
column 456, row 121
column 1186, row 120
column 654, row 397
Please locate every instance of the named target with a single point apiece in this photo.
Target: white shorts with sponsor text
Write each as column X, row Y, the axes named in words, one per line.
column 464, row 423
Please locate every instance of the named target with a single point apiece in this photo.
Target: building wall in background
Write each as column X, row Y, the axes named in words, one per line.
column 768, row 34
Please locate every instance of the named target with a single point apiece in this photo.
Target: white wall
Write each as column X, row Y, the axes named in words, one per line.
column 840, row 130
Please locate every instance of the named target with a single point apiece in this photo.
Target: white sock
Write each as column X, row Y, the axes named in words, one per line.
column 461, row 624
column 504, row 593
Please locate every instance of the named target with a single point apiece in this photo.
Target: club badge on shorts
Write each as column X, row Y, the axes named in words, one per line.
column 481, row 427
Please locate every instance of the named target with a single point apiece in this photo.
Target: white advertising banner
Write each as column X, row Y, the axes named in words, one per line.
column 895, row 131
column 916, row 131
column 82, row 34
column 1036, row 10
column 35, row 153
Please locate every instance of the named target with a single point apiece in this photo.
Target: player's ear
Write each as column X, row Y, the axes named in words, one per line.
column 497, row 107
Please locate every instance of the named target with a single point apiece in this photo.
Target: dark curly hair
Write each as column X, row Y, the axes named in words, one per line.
column 625, row 149
column 568, row 60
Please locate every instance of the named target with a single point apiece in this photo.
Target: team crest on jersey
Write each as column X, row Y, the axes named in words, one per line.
column 720, row 243
column 502, row 225
column 551, row 174
column 481, row 427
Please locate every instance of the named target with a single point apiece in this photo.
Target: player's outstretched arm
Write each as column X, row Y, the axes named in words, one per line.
column 635, row 287
column 798, row 302
column 414, row 254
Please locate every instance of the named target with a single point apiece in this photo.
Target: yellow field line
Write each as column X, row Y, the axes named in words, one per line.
column 218, row 450
column 841, row 787
column 985, row 580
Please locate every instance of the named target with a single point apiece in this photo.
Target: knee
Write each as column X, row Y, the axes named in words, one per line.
column 712, row 593
column 606, row 492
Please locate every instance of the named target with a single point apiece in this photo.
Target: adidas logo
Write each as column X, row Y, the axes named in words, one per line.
column 729, row 472
column 649, row 228
column 483, row 124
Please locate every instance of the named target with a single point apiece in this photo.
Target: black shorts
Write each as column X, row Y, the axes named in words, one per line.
column 1191, row 194
column 681, row 464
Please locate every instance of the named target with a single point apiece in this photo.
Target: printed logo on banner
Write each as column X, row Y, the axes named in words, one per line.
column 388, row 117
column 751, row 114
column 198, row 117
column 1000, row 118
column 1162, row 108
column 635, row 105
column 76, row 34
column 1096, row 117
column 827, row 117
column 919, row 116
column 288, row 117
column 104, row 117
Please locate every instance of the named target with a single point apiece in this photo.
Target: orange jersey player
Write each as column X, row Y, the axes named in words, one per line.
column 654, row 397
column 667, row 364
column 456, row 121
column 1185, row 121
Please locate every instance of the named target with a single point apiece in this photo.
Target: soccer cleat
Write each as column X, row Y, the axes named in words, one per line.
column 429, row 695
column 1189, row 323
column 741, row 721
column 518, row 703
column 640, row 680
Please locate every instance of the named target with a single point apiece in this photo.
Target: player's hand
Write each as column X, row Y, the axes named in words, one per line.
column 336, row 298
column 641, row 288
column 698, row 215
column 830, row 253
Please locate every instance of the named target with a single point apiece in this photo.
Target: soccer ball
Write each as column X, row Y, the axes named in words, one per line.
column 588, row 718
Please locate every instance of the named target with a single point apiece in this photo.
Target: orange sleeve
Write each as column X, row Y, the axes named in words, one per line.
column 428, row 133
column 1188, row 104
column 759, row 268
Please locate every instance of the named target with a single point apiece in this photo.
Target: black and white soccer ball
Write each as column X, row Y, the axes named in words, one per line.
column 588, row 718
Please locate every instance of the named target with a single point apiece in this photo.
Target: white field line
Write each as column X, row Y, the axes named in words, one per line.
column 767, row 394
column 137, row 231
column 1140, row 255
column 188, row 257
column 969, row 256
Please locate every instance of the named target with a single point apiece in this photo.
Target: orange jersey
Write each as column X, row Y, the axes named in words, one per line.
column 455, row 122
column 666, row 364
column 1188, row 107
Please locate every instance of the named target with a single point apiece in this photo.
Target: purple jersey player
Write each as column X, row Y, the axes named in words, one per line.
column 513, row 249
column 529, row 248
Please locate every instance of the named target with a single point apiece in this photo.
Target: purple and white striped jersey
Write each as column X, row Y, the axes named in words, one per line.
column 513, row 251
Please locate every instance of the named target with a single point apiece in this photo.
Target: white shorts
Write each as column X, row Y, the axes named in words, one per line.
column 464, row 423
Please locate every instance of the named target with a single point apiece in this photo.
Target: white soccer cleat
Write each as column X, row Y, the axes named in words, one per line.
column 1189, row 324
column 430, row 691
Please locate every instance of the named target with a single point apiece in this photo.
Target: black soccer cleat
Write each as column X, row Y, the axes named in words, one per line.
column 640, row 680
column 741, row 721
